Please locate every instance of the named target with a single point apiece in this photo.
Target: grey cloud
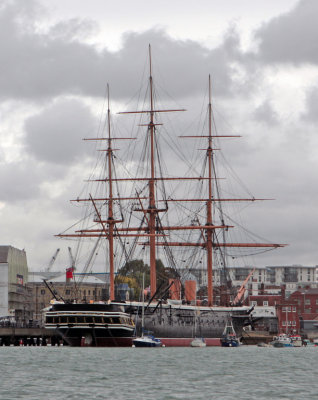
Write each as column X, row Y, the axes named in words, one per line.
column 186, row 64
column 37, row 65
column 264, row 113
column 55, row 135
column 73, row 30
column 291, row 37
column 19, row 182
column 311, row 113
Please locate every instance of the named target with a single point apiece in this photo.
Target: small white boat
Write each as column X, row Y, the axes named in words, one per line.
column 198, row 342
column 282, row 340
column 147, row 341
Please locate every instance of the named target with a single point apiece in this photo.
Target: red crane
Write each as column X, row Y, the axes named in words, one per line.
column 242, row 289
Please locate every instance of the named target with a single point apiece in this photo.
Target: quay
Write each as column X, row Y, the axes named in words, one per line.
column 28, row 337
column 256, row 337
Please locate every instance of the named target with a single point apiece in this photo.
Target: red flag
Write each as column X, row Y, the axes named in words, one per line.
column 69, row 273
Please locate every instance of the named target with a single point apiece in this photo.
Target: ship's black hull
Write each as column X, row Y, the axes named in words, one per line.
column 174, row 325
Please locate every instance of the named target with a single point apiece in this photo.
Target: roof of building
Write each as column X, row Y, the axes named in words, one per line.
column 4, row 250
column 268, row 267
column 60, row 277
column 307, row 291
column 291, row 266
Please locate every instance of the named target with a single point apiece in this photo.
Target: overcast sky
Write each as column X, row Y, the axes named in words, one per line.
column 57, row 56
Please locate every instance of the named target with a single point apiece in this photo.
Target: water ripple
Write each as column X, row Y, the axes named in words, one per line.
column 245, row 373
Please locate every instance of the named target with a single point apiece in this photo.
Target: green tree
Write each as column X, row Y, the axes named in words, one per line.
column 136, row 268
column 132, row 284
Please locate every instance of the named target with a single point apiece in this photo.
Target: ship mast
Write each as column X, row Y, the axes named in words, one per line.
column 152, row 201
column 108, row 225
column 209, row 221
column 111, row 221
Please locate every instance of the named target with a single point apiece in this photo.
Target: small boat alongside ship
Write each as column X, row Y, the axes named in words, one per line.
column 146, row 341
column 282, row 340
column 287, row 340
column 201, row 228
column 229, row 338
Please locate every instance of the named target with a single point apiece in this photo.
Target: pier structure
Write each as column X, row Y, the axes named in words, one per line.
column 28, row 337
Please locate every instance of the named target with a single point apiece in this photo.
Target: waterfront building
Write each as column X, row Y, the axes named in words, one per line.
column 291, row 276
column 307, row 303
column 14, row 295
column 297, row 311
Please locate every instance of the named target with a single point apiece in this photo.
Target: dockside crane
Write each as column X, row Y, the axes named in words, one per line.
column 52, row 261
column 242, row 290
column 72, row 260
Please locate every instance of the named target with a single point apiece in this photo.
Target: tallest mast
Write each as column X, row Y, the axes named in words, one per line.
column 152, row 200
column 209, row 220
column 110, row 206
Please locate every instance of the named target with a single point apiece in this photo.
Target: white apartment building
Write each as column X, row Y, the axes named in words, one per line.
column 290, row 275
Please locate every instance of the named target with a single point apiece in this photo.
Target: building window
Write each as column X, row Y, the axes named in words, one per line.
column 42, row 291
column 294, row 309
column 283, row 309
column 307, row 311
column 67, row 291
column 265, row 303
column 254, row 303
column 284, row 323
column 316, row 301
column 294, row 323
column 307, row 301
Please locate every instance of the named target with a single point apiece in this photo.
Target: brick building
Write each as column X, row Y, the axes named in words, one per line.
column 297, row 312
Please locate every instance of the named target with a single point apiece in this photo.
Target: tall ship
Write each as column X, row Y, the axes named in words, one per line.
column 155, row 203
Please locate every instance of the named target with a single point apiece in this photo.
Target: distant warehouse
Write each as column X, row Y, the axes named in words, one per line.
column 14, row 297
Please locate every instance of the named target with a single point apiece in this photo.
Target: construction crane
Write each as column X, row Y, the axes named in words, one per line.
column 72, row 260
column 89, row 261
column 242, row 290
column 52, row 261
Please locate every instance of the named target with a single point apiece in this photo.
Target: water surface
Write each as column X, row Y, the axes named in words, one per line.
column 247, row 372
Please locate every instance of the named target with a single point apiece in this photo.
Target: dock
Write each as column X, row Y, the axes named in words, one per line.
column 28, row 337
column 256, row 337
